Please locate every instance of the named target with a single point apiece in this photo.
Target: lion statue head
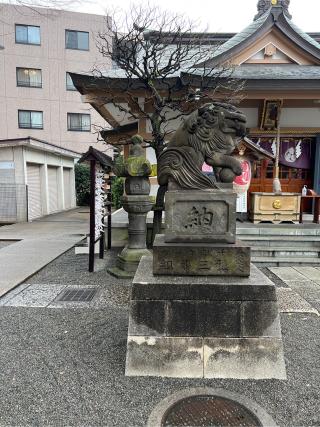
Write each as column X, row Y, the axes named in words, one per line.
column 211, row 128
column 210, row 134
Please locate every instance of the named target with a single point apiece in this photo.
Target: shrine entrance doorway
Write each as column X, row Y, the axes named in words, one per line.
column 292, row 179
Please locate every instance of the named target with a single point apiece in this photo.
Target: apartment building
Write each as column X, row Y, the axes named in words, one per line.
column 37, row 97
column 44, row 126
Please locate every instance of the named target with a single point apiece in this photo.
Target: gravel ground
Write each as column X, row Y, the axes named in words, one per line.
column 65, row 366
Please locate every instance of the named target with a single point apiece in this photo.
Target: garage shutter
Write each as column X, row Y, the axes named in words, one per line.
column 53, row 189
column 67, row 187
column 34, row 191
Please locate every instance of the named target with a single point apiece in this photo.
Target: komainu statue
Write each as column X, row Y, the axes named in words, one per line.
column 208, row 135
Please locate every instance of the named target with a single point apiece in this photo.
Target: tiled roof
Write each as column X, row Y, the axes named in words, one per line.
column 254, row 27
column 301, row 33
column 243, row 35
column 271, row 72
column 98, row 155
column 274, row 72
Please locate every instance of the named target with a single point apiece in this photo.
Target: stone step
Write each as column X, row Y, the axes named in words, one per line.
column 280, row 241
column 262, row 251
column 274, row 231
column 284, row 262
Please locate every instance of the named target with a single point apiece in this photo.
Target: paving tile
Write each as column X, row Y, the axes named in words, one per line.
column 14, row 292
column 310, row 272
column 35, row 297
column 291, row 302
column 46, row 287
column 298, row 285
column 287, row 273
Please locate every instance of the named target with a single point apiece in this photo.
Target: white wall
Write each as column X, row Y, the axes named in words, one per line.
column 300, row 117
column 252, row 115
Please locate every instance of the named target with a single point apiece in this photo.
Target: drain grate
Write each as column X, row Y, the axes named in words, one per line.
column 77, row 295
column 209, row 411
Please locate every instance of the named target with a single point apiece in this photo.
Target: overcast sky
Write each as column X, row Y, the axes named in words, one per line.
column 220, row 15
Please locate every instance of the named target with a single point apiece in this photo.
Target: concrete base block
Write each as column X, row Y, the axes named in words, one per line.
column 198, row 357
column 244, row 358
column 164, row 357
column 211, row 327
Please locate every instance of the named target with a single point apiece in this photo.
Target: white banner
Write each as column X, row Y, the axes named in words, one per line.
column 242, row 202
column 100, row 201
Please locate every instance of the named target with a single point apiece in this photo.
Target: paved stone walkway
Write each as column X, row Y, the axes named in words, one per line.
column 304, row 281
column 34, row 245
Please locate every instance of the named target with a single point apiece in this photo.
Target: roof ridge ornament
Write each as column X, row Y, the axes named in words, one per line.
column 264, row 5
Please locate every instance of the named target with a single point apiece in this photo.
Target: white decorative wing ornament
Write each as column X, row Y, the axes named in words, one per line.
column 298, row 149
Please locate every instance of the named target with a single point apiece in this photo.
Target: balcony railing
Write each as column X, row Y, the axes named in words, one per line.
column 23, row 83
column 28, row 125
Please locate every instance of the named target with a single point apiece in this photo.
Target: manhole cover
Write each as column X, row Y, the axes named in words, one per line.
column 209, row 411
column 205, row 406
column 77, row 295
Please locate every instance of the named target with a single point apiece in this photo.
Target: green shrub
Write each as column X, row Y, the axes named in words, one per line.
column 82, row 178
column 117, row 191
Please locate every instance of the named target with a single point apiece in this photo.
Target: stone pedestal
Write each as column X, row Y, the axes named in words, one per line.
column 198, row 307
column 200, row 259
column 212, row 327
column 128, row 260
column 200, row 216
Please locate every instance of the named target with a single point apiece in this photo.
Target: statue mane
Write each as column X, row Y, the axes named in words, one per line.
column 206, row 129
column 207, row 135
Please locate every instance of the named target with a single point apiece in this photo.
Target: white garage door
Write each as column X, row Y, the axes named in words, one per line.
column 53, row 189
column 67, row 187
column 34, row 191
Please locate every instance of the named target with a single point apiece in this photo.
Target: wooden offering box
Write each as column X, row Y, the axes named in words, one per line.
column 275, row 207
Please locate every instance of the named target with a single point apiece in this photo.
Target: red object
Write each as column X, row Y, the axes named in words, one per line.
column 245, row 178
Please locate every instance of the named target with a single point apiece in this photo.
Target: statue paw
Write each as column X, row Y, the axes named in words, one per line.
column 227, row 175
column 237, row 170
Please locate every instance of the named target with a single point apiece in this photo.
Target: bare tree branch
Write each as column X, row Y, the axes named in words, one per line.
column 157, row 54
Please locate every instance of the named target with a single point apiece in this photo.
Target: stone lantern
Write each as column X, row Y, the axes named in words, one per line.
column 137, row 202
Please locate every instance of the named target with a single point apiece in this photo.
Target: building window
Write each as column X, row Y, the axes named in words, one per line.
column 284, row 172
column 269, row 170
column 27, row 34
column 69, row 83
column 79, row 122
column 77, row 40
column 29, row 77
column 30, row 119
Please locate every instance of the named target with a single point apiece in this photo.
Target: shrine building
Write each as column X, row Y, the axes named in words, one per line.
column 280, row 65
